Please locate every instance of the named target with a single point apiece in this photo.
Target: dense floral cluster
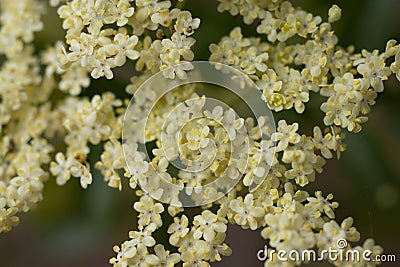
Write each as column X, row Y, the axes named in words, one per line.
column 102, row 35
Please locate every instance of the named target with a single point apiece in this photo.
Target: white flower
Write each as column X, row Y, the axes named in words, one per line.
column 102, row 67
column 178, row 229
column 126, row 45
column 166, row 259
column 61, row 169
column 336, row 113
column 185, row 24
column 245, row 213
column 143, row 237
column 178, row 45
column 374, row 69
column 208, row 225
column 232, row 124
column 286, row 134
column 335, row 12
column 171, row 71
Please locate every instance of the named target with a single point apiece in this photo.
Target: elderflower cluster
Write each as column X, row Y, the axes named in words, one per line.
column 211, row 147
column 24, row 113
column 98, row 48
column 48, row 128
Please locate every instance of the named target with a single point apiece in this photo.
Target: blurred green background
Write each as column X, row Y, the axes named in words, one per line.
column 76, row 227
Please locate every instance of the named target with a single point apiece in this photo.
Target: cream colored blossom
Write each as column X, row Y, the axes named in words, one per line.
column 245, row 213
column 149, row 211
column 209, row 225
column 178, row 229
column 334, row 13
column 286, row 134
column 185, row 24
